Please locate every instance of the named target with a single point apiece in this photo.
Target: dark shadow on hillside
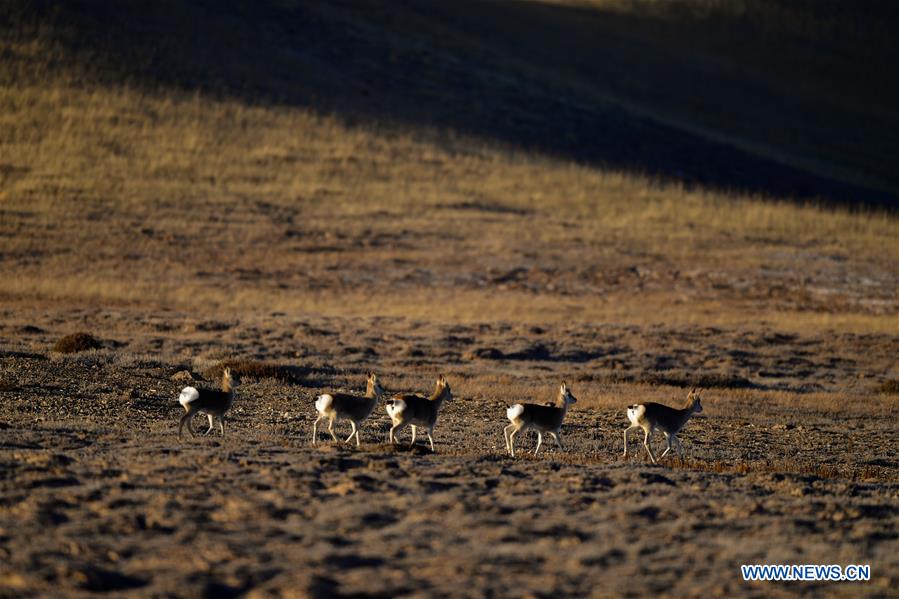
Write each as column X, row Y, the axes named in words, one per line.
column 507, row 72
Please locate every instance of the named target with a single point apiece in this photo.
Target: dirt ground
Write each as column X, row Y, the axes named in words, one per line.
column 99, row 494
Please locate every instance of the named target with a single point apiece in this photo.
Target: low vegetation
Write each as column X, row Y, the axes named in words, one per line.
column 76, row 342
column 255, row 369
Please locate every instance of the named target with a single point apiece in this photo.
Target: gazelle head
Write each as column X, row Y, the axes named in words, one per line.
column 694, row 401
column 373, row 385
column 565, row 396
column 443, row 389
column 227, row 379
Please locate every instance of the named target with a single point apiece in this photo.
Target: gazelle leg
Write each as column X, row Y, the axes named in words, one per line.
column 646, row 432
column 629, row 429
column 357, row 438
column 352, row 434
column 506, row 431
column 222, row 424
column 413, row 436
column 390, row 436
column 558, row 437
column 315, row 428
column 211, row 424
column 331, row 429
column 668, row 448
column 186, row 420
column 431, row 440
column 539, row 442
column 512, row 441
column 678, row 447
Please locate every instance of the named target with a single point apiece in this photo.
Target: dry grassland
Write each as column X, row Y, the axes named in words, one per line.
column 174, row 184
column 188, row 230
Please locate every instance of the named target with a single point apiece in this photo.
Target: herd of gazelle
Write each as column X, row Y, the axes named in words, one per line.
column 414, row 410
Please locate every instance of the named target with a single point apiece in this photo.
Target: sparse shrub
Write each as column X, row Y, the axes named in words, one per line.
column 77, row 342
column 254, row 369
column 711, row 380
column 889, row 386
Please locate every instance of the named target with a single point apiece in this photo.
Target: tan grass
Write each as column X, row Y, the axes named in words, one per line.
column 438, row 306
column 121, row 196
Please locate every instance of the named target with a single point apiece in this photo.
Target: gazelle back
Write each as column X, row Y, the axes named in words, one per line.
column 542, row 418
column 651, row 415
column 416, row 410
column 356, row 409
column 211, row 402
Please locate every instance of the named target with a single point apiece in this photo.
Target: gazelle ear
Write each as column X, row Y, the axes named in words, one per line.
column 564, row 387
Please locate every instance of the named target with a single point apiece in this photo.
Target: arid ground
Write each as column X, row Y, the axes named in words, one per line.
column 99, row 494
column 188, row 225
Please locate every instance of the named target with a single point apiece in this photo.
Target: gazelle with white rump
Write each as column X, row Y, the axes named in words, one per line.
column 543, row 418
column 651, row 415
column 212, row 402
column 417, row 410
column 356, row 409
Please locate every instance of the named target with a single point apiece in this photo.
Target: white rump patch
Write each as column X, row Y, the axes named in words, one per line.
column 395, row 407
column 323, row 403
column 635, row 413
column 515, row 412
column 188, row 394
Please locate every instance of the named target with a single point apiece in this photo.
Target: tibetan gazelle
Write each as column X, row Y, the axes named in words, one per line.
column 650, row 416
column 212, row 402
column 416, row 410
column 543, row 418
column 354, row 408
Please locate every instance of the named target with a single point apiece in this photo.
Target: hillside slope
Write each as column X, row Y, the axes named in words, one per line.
column 783, row 99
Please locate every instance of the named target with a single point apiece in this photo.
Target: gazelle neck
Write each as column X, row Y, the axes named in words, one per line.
column 439, row 395
column 373, row 392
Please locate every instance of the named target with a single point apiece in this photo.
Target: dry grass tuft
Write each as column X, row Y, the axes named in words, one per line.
column 709, row 380
column 77, row 342
column 889, row 386
column 256, row 369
